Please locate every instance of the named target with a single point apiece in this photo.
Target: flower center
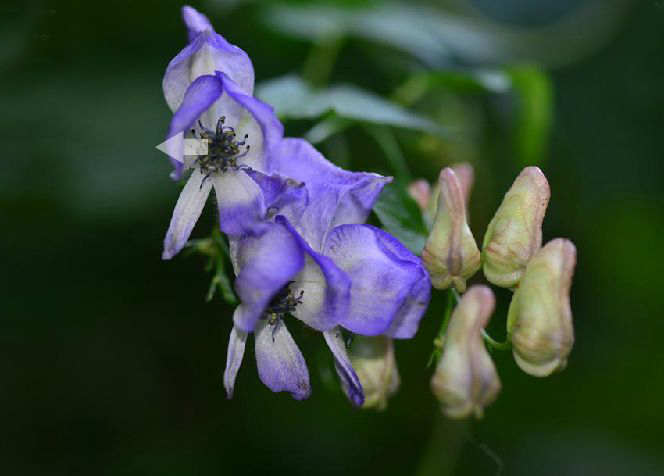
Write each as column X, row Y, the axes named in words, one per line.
column 284, row 302
column 223, row 149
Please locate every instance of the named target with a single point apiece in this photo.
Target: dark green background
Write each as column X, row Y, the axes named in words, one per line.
column 111, row 361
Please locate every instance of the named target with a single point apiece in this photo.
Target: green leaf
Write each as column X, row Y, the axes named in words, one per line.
column 533, row 121
column 293, row 98
column 402, row 217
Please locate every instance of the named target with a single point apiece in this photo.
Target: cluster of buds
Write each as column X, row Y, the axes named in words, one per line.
column 539, row 323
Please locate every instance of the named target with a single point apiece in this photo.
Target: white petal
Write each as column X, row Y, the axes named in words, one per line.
column 185, row 215
column 234, row 355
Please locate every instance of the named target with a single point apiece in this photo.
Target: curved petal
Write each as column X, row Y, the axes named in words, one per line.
column 206, row 53
column 267, row 263
column 281, row 195
column 256, row 119
column 406, row 322
column 337, row 196
column 381, row 280
column 200, row 95
column 325, row 288
column 281, row 366
column 349, row 379
column 240, row 203
column 185, row 215
column 195, row 21
column 234, row 355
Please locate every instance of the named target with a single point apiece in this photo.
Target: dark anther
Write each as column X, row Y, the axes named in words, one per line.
column 223, row 149
column 284, row 302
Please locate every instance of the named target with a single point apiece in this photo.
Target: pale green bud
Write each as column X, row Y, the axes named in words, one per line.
column 466, row 175
column 515, row 232
column 465, row 381
column 374, row 362
column 451, row 254
column 540, row 319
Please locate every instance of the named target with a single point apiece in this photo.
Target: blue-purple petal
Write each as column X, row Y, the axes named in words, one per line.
column 281, row 195
column 195, row 22
column 267, row 125
column 325, row 288
column 350, row 382
column 234, row 355
column 200, row 95
column 239, row 202
column 206, row 53
column 337, row 196
column 281, row 366
column 382, row 280
column 266, row 264
column 185, row 214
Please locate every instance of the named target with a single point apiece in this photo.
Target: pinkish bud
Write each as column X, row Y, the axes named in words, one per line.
column 515, row 232
column 376, row 367
column 420, row 191
column 465, row 381
column 451, row 254
column 540, row 319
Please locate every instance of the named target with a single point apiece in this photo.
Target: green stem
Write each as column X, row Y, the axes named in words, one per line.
column 438, row 341
column 505, row 345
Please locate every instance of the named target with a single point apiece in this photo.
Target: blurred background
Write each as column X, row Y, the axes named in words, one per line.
column 111, row 359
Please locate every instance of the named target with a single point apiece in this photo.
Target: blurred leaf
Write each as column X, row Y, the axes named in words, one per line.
column 401, row 216
column 534, row 114
column 293, row 98
column 404, row 28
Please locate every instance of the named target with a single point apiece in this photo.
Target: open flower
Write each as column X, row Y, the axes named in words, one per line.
column 465, row 380
column 240, row 144
column 327, row 270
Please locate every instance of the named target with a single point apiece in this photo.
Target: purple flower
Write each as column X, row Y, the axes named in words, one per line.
column 324, row 267
column 206, row 53
column 240, row 143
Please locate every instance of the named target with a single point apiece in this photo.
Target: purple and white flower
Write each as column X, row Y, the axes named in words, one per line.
column 326, row 268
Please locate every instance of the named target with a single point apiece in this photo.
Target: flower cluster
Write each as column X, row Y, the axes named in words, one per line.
column 295, row 224
column 539, row 321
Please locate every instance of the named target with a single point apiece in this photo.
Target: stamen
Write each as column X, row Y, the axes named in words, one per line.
column 284, row 302
column 223, row 149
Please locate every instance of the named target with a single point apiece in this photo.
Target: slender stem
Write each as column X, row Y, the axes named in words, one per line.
column 506, row 345
column 438, row 341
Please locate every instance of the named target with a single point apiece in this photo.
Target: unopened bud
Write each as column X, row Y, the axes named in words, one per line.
column 420, row 191
column 515, row 232
column 540, row 319
column 451, row 254
column 466, row 175
column 465, row 381
column 374, row 362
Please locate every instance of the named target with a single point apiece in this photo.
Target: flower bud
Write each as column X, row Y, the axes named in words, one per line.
column 465, row 174
column 540, row 319
column 420, row 191
column 465, row 380
column 451, row 254
column 375, row 365
column 515, row 232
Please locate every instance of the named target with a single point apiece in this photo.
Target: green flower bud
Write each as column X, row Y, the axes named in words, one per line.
column 375, row 365
column 540, row 319
column 465, row 381
column 451, row 254
column 515, row 232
